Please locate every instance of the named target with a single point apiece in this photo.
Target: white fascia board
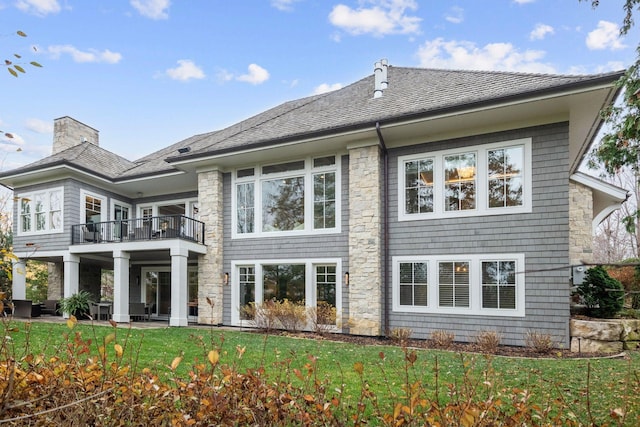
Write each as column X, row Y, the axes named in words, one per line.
column 614, row 192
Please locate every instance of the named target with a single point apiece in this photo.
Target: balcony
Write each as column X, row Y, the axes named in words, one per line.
column 139, row 229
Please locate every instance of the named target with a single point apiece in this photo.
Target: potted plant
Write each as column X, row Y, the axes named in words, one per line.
column 77, row 304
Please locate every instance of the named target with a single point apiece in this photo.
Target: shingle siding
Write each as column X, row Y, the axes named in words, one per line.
column 541, row 235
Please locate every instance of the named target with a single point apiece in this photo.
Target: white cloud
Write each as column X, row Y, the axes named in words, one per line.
column 92, row 55
column 185, row 71
column 455, row 15
column 153, row 9
column 467, row 55
column 523, row 1
column 255, row 76
column 284, row 5
column 326, row 87
column 39, row 126
column 383, row 17
column 38, row 7
column 224, row 76
column 541, row 31
column 606, row 36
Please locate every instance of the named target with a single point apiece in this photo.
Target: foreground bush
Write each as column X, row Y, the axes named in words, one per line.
column 97, row 382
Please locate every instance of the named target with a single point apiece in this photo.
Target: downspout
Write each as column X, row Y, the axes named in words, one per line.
column 385, row 229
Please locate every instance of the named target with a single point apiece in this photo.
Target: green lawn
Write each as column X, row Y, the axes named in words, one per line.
column 595, row 386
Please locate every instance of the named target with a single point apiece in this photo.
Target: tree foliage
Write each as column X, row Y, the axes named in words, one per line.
column 16, row 67
column 602, row 295
column 620, row 146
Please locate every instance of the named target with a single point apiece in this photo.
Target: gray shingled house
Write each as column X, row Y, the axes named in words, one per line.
column 416, row 198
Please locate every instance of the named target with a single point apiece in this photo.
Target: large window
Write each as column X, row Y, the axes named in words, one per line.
column 293, row 197
column 504, row 167
column 499, row 284
column 247, row 284
column 413, row 283
column 460, row 284
column 314, row 283
column 41, row 212
column 283, row 282
column 453, row 284
column 490, row 179
column 418, row 186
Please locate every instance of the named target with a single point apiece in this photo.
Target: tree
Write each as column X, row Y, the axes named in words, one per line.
column 602, row 295
column 620, row 145
column 612, row 242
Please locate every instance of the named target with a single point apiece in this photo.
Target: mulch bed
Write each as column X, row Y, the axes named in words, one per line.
column 457, row 347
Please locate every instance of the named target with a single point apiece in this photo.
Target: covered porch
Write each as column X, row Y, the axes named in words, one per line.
column 166, row 262
column 158, row 273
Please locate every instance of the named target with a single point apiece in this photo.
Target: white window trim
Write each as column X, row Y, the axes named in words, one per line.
column 310, row 282
column 482, row 201
column 475, row 285
column 103, row 206
column 31, row 197
column 308, row 172
column 188, row 203
column 112, row 208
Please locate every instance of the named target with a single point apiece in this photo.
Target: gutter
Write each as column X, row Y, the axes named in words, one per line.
column 385, row 230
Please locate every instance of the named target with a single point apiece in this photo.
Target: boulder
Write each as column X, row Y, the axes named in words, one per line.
column 630, row 329
column 586, row 345
column 599, row 330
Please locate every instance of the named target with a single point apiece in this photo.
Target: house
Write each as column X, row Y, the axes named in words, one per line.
column 413, row 198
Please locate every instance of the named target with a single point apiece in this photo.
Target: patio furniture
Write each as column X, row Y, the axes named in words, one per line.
column 138, row 311
column 51, row 307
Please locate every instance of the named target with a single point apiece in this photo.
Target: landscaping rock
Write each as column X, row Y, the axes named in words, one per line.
column 630, row 329
column 586, row 345
column 601, row 330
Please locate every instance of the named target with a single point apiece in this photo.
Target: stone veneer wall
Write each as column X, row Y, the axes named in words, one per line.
column 210, row 274
column 55, row 287
column 365, row 241
column 580, row 224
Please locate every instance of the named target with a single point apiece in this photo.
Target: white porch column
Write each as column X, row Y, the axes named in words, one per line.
column 121, row 286
column 71, row 276
column 19, row 285
column 179, row 287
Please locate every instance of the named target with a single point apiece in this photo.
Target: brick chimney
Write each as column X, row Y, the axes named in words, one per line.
column 68, row 132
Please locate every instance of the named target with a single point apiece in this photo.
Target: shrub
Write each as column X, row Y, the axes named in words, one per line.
column 442, row 339
column 488, row 341
column 629, row 277
column 272, row 314
column 292, row 316
column 77, row 304
column 602, row 295
column 400, row 335
column 323, row 317
column 539, row 342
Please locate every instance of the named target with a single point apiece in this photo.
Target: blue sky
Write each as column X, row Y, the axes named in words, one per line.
column 148, row 73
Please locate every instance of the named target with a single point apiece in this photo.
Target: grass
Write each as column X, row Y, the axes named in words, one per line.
column 595, row 387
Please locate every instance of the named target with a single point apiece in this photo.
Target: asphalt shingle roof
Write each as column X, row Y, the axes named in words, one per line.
column 411, row 92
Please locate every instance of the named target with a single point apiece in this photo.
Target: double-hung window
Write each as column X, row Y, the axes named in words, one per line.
column 489, row 179
column 487, row 284
column 41, row 211
column 292, row 197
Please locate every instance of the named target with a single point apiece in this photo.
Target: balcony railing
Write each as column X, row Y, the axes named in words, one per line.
column 139, row 229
